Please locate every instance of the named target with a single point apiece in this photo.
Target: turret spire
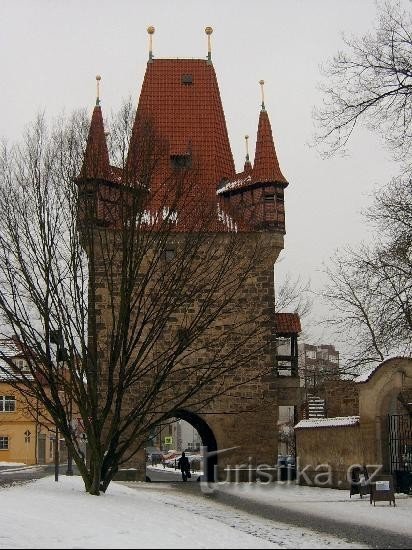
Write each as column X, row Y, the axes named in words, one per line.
column 208, row 31
column 98, row 79
column 262, row 82
column 150, row 32
column 248, row 165
column 266, row 166
column 96, row 157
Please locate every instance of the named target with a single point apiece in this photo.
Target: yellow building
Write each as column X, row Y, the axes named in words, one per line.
column 23, row 438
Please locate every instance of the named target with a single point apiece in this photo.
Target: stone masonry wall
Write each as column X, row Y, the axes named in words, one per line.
column 338, row 447
column 241, row 406
column 341, row 398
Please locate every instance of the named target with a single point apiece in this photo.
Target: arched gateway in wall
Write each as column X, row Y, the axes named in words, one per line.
column 376, row 435
column 181, row 100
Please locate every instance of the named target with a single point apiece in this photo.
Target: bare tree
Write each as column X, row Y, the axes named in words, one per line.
column 294, row 295
column 126, row 299
column 370, row 82
column 370, row 289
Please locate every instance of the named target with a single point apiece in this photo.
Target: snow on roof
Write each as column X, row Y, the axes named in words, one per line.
column 8, row 350
column 6, row 372
column 366, row 376
column 234, row 184
column 328, row 422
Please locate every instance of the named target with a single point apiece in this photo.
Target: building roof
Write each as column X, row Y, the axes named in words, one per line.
column 368, row 374
column 266, row 165
column 96, row 163
column 287, row 323
column 180, row 118
column 337, row 422
column 181, row 100
column 9, row 349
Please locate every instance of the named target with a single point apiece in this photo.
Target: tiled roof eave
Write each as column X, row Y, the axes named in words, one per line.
column 249, row 185
column 101, row 181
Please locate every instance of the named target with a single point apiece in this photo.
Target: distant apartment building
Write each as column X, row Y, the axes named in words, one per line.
column 317, row 364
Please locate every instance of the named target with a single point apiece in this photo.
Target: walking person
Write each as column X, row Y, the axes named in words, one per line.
column 184, row 466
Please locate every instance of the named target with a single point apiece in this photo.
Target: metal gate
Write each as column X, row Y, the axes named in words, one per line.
column 400, row 450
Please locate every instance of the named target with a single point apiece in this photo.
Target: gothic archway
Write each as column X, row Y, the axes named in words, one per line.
column 208, row 441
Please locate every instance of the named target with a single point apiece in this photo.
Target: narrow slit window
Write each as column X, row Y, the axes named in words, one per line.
column 169, row 254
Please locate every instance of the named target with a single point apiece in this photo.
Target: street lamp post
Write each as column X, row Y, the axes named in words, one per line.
column 56, row 337
column 69, row 471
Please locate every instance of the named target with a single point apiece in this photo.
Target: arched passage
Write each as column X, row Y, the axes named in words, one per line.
column 208, row 440
column 204, row 435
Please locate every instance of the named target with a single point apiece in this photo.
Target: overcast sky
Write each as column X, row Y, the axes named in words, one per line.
column 51, row 51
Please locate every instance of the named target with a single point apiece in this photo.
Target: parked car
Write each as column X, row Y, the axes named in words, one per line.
column 154, row 455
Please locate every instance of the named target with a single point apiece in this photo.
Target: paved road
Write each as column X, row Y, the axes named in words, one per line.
column 168, row 476
column 16, row 475
column 370, row 536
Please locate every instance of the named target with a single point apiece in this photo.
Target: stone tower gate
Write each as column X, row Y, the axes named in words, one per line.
column 180, row 104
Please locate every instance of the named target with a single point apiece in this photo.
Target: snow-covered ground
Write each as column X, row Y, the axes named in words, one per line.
column 329, row 503
column 46, row 514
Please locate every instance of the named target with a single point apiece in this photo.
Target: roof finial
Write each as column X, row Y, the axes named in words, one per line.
column 98, row 79
column 247, row 148
column 208, row 31
column 261, row 82
column 150, row 32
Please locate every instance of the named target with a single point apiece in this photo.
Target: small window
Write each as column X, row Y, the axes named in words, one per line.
column 7, row 403
column 181, row 161
column 183, row 336
column 4, row 443
column 187, row 79
column 270, row 198
column 280, row 197
column 23, row 366
column 169, row 254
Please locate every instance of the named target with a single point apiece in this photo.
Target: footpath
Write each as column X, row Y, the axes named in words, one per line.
column 327, row 511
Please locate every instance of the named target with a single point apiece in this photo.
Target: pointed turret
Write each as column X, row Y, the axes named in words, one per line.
column 248, row 165
column 100, row 195
column 258, row 193
column 266, row 165
column 96, row 163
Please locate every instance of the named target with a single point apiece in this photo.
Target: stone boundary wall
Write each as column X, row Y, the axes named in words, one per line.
column 341, row 398
column 337, row 447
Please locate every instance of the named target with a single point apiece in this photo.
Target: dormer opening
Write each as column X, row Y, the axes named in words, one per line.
column 187, row 79
column 181, row 161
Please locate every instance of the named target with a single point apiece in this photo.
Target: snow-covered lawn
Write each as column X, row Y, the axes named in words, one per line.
column 46, row 514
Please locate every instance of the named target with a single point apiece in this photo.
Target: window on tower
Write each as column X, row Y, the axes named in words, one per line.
column 181, row 161
column 187, row 79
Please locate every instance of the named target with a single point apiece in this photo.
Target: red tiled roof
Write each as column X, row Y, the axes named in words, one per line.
column 189, row 117
column 287, row 323
column 96, row 158
column 180, row 113
column 266, row 165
